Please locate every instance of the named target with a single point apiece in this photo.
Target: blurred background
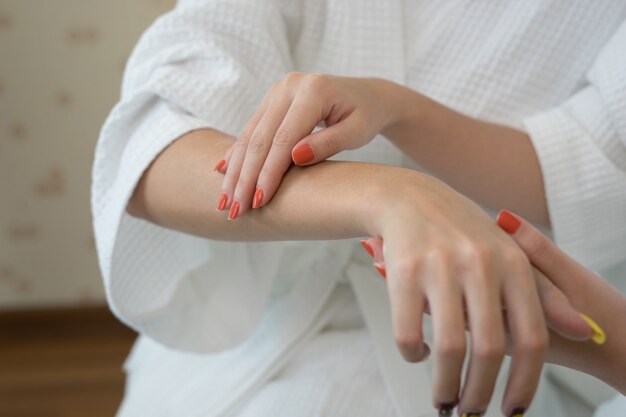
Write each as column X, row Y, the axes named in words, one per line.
column 61, row 65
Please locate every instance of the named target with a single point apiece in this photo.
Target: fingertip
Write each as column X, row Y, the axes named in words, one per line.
column 257, row 200
column 368, row 248
column 598, row 336
column 380, row 267
column 219, row 165
column 376, row 244
column 508, row 222
column 302, row 154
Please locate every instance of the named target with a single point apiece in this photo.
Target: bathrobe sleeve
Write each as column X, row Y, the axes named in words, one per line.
column 581, row 146
column 206, row 64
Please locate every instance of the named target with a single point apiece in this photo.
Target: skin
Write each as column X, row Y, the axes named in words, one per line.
column 576, row 286
column 443, row 252
column 493, row 164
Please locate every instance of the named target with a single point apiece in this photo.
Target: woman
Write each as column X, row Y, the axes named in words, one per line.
column 196, row 69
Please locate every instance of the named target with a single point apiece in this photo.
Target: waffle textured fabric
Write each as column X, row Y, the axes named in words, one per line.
column 555, row 69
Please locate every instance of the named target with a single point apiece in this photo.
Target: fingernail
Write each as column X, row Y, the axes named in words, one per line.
column 367, row 247
column 221, row 203
column 599, row 337
column 302, row 154
column 472, row 414
column 234, row 210
column 517, row 412
column 219, row 165
column 445, row 410
column 508, row 222
column 258, row 198
column 381, row 269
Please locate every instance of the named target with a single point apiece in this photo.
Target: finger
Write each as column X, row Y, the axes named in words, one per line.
column 222, row 165
column 560, row 316
column 446, row 308
column 527, row 328
column 304, row 113
column 488, row 341
column 327, row 142
column 544, row 254
column 259, row 146
column 237, row 153
column 568, row 275
column 374, row 247
column 407, row 307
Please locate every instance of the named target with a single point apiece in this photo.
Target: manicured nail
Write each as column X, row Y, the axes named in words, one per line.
column 599, row 337
column 380, row 267
column 517, row 412
column 302, row 154
column 234, row 210
column 445, row 410
column 221, row 203
column 258, row 198
column 219, row 165
column 472, row 414
column 508, row 222
column 367, row 247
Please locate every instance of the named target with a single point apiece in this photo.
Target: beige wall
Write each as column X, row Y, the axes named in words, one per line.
column 61, row 63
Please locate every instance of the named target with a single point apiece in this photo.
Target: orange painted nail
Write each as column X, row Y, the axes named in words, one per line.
column 219, row 165
column 258, row 198
column 302, row 154
column 367, row 247
column 221, row 203
column 381, row 269
column 508, row 222
column 234, row 210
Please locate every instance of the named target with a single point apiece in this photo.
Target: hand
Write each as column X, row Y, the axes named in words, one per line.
column 596, row 297
column 444, row 254
column 353, row 111
column 560, row 315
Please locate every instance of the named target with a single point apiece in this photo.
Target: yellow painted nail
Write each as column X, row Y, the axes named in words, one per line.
column 598, row 334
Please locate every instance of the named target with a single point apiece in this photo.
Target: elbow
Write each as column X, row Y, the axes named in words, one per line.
column 136, row 206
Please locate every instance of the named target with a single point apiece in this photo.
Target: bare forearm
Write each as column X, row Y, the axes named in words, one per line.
column 326, row 201
column 494, row 164
column 606, row 362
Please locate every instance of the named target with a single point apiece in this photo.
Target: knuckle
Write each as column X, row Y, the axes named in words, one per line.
column 330, row 144
column 257, row 142
column 241, row 142
column 408, row 340
column 282, row 138
column 315, row 82
column 535, row 344
column 490, row 350
column 406, row 269
column 292, row 77
column 245, row 183
column 515, row 258
column 450, row 348
column 471, row 256
column 438, row 255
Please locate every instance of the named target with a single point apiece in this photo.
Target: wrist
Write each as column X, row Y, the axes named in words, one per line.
column 387, row 193
column 405, row 109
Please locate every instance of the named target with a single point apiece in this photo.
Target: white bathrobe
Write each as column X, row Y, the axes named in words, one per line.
column 256, row 329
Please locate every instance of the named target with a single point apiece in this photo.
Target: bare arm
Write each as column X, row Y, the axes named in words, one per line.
column 322, row 202
column 494, row 164
column 430, row 231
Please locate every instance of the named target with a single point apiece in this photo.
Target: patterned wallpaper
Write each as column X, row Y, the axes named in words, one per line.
column 61, row 64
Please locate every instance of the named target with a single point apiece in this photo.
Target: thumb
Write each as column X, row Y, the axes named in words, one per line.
column 558, row 270
column 325, row 143
column 561, row 317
